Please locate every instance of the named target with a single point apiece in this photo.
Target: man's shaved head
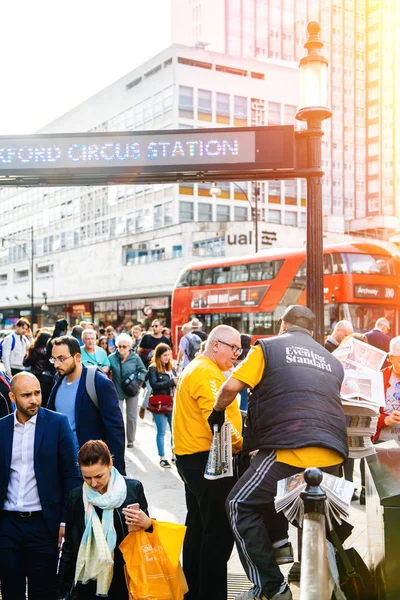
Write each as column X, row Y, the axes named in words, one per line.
column 21, row 378
column 26, row 394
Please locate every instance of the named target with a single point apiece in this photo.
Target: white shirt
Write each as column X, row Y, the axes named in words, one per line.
column 22, row 492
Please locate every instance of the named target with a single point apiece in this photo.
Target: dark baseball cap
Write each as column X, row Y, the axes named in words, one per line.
column 300, row 316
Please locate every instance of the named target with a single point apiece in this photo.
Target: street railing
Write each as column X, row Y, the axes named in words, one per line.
column 314, row 578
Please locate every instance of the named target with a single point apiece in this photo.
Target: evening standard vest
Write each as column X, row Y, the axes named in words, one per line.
column 297, row 402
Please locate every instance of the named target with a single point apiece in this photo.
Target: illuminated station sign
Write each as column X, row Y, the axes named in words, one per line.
column 134, row 157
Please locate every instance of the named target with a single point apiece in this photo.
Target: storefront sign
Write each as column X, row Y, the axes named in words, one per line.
column 381, row 292
column 228, row 298
column 78, row 309
column 131, row 304
column 106, row 306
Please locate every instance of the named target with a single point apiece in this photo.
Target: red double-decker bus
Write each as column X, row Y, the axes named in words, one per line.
column 361, row 284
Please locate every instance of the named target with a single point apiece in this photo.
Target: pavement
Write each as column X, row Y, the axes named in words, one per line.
column 165, row 495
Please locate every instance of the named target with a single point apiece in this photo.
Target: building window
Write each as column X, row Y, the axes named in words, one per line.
column 214, row 247
column 158, row 215
column 168, row 213
column 21, row 275
column 205, row 212
column 290, row 114
column 3, row 278
column 204, row 108
column 134, row 256
column 43, row 271
column 157, row 254
column 290, row 218
column 185, row 212
column 223, row 109
column 274, row 216
column 168, row 99
column 240, row 111
column 223, row 212
column 274, row 113
column 176, row 251
column 185, row 102
column 240, row 213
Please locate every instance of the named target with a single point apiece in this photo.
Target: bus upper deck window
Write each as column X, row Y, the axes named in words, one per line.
column 184, row 280
column 339, row 264
column 207, row 277
column 239, row 273
column 328, row 267
column 195, row 278
column 221, row 275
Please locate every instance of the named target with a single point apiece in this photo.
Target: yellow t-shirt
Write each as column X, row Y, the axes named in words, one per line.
column 250, row 371
column 195, row 396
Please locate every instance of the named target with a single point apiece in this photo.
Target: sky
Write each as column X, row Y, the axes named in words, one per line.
column 57, row 53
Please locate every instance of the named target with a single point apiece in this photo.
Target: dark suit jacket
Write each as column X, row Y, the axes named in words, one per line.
column 56, row 470
column 378, row 339
column 105, row 423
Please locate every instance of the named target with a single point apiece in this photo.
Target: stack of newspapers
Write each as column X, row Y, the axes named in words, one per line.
column 219, row 463
column 362, row 393
column 338, row 497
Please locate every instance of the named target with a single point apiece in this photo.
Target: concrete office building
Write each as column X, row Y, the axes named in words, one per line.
column 361, row 145
column 108, row 252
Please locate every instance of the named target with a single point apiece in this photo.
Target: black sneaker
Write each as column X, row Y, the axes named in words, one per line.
column 165, row 464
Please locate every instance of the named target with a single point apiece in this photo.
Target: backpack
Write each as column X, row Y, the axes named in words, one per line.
column 12, row 344
column 194, row 346
column 90, row 384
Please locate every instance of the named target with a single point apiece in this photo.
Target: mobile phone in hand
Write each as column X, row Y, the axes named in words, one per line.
column 135, row 506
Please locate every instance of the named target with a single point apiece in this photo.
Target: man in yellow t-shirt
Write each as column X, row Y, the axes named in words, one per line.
column 295, row 420
column 209, row 540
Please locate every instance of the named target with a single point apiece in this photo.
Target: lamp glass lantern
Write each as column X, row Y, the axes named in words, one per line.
column 313, row 78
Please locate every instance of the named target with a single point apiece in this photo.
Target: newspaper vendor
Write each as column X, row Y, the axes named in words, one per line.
column 295, row 421
column 389, row 420
column 209, row 541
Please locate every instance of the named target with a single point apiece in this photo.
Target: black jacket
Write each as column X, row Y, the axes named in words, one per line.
column 297, row 402
column 37, row 360
column 5, row 402
column 75, row 526
column 329, row 346
column 160, row 383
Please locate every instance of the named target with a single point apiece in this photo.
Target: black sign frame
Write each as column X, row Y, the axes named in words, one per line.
column 273, row 157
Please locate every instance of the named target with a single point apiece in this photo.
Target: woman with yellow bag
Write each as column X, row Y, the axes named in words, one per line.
column 100, row 515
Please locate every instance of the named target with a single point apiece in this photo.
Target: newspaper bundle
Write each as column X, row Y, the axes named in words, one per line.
column 338, row 497
column 219, row 463
column 362, row 393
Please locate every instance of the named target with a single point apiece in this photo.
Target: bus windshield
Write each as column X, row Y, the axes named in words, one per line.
column 353, row 264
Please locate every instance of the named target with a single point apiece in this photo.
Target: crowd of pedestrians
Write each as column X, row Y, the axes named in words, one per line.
column 71, row 401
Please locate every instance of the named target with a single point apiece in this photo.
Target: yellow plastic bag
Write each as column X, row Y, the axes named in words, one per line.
column 152, row 566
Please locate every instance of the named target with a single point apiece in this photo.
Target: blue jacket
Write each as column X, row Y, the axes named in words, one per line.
column 56, row 471
column 105, row 423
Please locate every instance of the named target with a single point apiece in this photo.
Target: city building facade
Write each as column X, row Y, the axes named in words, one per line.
column 361, row 145
column 113, row 253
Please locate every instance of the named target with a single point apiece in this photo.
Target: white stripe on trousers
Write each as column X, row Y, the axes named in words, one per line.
column 241, row 496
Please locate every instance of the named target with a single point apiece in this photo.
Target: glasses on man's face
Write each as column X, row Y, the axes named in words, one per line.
column 123, row 346
column 235, row 349
column 60, row 359
column 156, row 326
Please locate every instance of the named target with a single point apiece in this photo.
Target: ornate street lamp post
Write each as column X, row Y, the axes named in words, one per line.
column 313, row 109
